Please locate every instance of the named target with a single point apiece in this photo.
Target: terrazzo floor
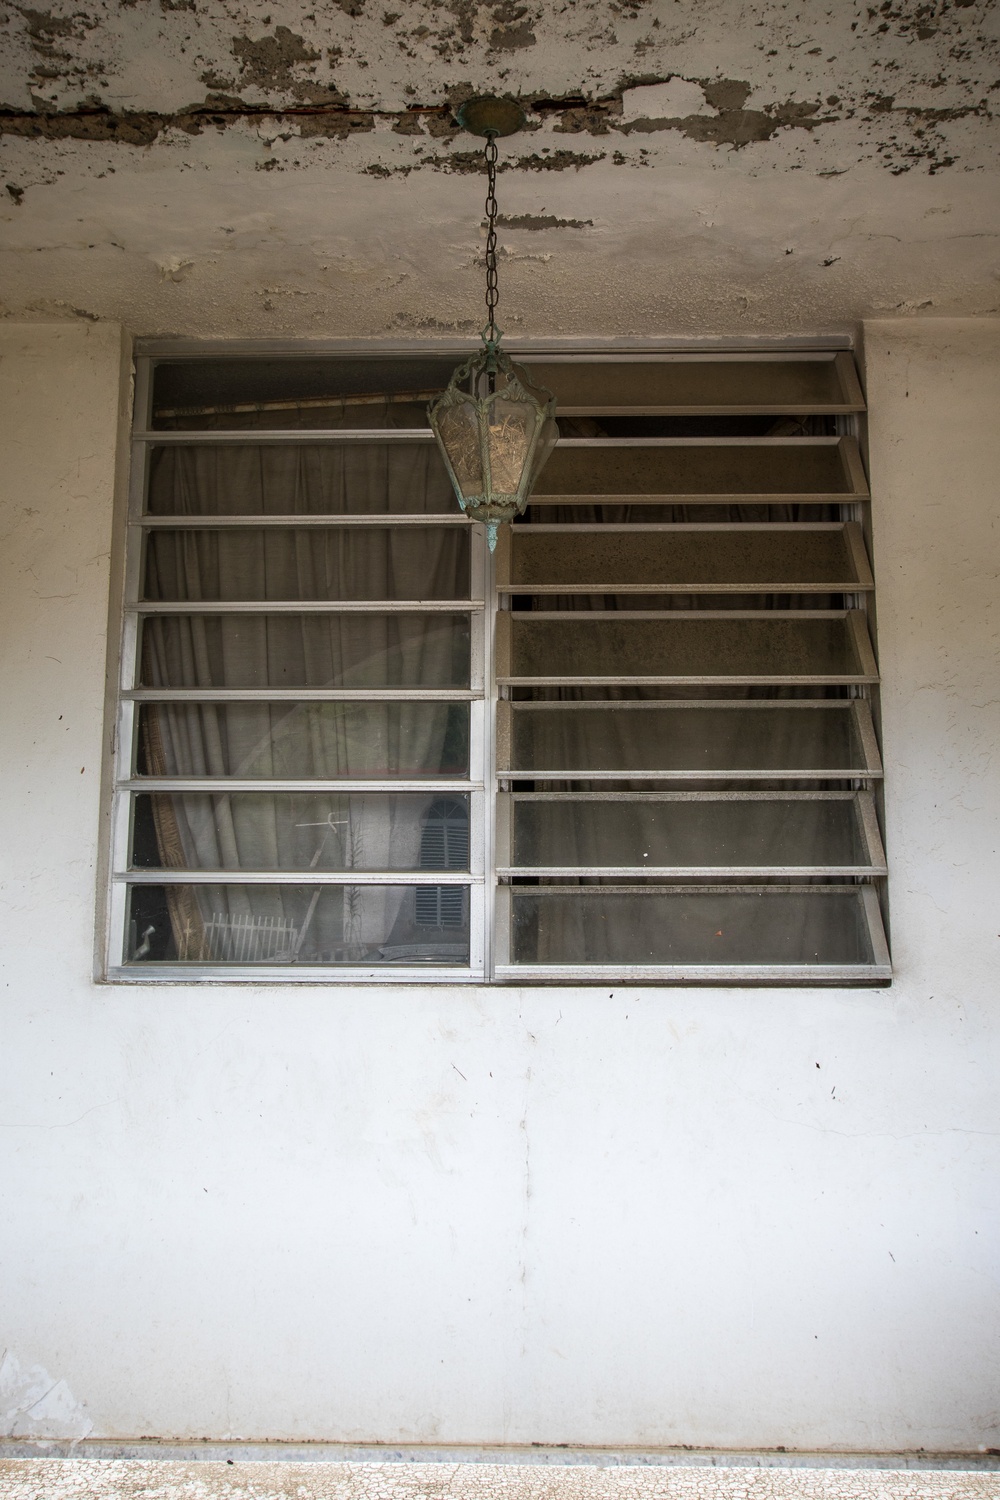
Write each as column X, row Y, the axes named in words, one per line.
column 156, row 1479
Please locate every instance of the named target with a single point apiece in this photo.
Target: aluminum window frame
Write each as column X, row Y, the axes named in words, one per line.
column 488, row 783
column 130, row 694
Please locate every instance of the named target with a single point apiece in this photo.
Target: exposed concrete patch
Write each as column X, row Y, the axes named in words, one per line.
column 335, row 119
column 512, row 37
column 267, row 63
column 721, row 116
column 541, row 221
column 130, row 128
column 133, row 128
column 44, row 28
column 553, row 161
column 549, row 161
column 718, row 116
column 337, row 126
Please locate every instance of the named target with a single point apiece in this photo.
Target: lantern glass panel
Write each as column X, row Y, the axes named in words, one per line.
column 511, row 425
column 459, row 433
column 547, row 439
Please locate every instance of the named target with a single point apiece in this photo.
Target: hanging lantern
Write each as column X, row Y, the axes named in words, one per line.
column 495, row 430
column 494, row 427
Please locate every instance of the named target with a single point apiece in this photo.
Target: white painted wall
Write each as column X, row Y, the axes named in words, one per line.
column 599, row 1217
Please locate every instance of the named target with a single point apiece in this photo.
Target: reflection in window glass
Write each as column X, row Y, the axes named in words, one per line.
column 288, row 651
column 444, row 845
column 295, row 741
column 356, row 925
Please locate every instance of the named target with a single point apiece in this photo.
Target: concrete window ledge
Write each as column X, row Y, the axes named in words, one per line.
column 292, row 1479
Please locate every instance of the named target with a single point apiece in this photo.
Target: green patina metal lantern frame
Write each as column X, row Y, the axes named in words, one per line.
column 494, row 427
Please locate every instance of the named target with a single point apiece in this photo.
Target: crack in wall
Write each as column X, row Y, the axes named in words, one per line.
column 143, row 127
column 335, row 117
column 540, row 221
column 724, row 121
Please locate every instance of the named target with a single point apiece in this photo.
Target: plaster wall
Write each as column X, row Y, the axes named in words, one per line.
column 708, row 1217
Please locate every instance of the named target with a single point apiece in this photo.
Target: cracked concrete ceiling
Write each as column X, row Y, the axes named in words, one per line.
column 687, row 166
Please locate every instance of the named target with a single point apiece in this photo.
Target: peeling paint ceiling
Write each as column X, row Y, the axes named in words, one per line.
column 687, row 166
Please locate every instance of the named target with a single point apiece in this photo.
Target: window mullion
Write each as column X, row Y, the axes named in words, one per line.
column 484, row 769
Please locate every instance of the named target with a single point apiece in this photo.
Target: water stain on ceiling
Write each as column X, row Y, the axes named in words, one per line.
column 755, row 162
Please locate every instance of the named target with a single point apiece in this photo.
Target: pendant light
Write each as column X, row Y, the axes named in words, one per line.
column 494, row 426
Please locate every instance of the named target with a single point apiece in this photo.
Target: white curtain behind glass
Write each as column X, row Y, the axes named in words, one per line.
column 318, row 740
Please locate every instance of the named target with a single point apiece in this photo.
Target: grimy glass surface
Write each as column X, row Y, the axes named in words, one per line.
column 647, row 385
column 597, row 925
column 645, row 833
column 601, row 560
column 290, row 833
column 290, row 392
column 295, row 741
column 459, row 429
column 297, row 831
column 336, row 479
column 676, row 646
column 654, row 737
column 696, row 469
column 351, row 563
column 366, row 925
column 303, row 392
column 340, row 650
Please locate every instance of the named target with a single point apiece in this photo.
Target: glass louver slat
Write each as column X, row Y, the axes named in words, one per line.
column 700, row 385
column 609, row 647
column 611, row 559
column 769, row 738
column 636, row 470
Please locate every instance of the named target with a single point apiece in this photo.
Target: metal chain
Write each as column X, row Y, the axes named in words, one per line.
column 492, row 293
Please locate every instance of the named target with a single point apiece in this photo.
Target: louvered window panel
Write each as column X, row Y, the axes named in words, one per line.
column 302, row 721
column 640, row 742
column 688, row 770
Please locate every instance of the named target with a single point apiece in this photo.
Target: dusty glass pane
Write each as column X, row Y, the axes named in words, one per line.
column 458, row 426
column 510, row 428
column 644, row 833
column 696, row 469
column 647, row 385
column 597, row 925
column 353, row 563
column 288, row 651
column 547, row 439
column 293, row 741
column 578, row 645
column 758, row 559
column 402, row 478
column 300, row 831
column 654, row 737
column 294, row 924
column 290, row 392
